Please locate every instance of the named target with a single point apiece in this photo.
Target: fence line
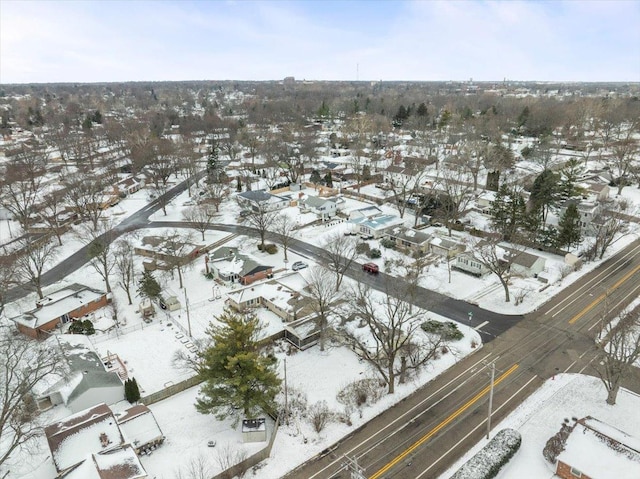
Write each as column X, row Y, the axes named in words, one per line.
column 171, row 390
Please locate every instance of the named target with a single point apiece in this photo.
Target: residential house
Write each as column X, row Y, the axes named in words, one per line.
column 409, row 239
column 325, row 208
column 467, row 263
column 366, row 212
column 587, row 210
column 257, row 200
column 524, row 264
column 84, row 382
column 600, row 191
column 596, row 450
column 228, row 265
column 398, row 175
column 58, row 307
column 445, row 246
column 376, row 227
column 96, row 443
column 128, row 186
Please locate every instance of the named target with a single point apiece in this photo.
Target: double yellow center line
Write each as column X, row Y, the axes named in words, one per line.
column 444, row 423
column 604, row 295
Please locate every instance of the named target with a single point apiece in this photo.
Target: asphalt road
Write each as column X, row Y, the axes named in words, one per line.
column 425, row 433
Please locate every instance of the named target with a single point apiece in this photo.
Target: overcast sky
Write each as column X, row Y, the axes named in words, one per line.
column 80, row 41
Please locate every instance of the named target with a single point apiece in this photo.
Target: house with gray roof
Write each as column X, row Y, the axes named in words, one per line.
column 377, row 226
column 261, row 200
column 228, row 265
column 409, row 239
column 325, row 208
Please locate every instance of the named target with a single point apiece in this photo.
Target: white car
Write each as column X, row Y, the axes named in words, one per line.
column 298, row 265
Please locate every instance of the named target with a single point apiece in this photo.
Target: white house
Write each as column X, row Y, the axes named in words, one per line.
column 261, row 199
column 323, row 207
column 467, row 263
column 526, row 265
column 376, row 226
column 366, row 212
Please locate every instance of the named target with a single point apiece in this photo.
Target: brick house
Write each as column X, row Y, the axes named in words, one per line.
column 59, row 307
column 596, row 450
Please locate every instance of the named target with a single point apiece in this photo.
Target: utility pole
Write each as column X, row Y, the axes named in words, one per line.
column 493, row 375
column 286, row 394
column 352, row 465
column 186, row 302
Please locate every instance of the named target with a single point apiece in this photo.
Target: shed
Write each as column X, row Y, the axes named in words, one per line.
column 254, row 430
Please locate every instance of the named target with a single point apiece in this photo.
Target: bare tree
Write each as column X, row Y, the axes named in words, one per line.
column 197, row 468
column 623, row 159
column 458, row 193
column 51, row 210
column 609, row 226
column 283, row 228
column 261, row 218
column 406, row 186
column 339, row 252
column 321, row 287
column 215, row 193
column 32, row 261
column 390, row 326
column 87, row 197
column 25, row 363
column 199, row 217
column 124, row 265
column 177, row 248
column 22, row 184
column 496, row 259
column 98, row 241
column 619, row 346
column 159, row 171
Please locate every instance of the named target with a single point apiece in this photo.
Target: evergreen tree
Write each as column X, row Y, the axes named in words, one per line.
column 508, row 211
column 315, row 177
column 213, row 163
column 238, row 378
column 239, row 185
column 544, row 194
column 328, row 180
column 569, row 177
column 131, row 390
column 422, row 110
column 569, row 227
column 148, row 287
column 323, row 111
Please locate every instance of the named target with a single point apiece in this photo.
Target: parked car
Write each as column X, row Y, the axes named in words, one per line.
column 298, row 265
column 371, row 268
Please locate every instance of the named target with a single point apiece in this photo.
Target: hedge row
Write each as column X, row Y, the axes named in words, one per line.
column 489, row 460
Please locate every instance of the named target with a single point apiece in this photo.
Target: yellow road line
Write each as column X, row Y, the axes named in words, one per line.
column 604, row 295
column 440, row 426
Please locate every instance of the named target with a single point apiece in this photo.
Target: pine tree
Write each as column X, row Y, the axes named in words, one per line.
column 238, row 378
column 544, row 194
column 315, row 177
column 569, row 227
column 148, row 287
column 131, row 390
column 328, row 180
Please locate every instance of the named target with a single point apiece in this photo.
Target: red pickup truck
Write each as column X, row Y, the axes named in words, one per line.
column 371, row 268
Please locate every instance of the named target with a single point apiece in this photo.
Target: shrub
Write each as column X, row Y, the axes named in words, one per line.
column 208, row 275
column 268, row 248
column 82, row 327
column 448, row 331
column 556, row 444
column 319, row 415
column 375, row 253
column 487, row 463
column 387, row 243
column 363, row 248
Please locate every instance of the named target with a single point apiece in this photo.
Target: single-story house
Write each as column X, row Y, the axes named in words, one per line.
column 91, row 443
column 409, row 239
column 366, row 212
column 467, row 263
column 446, row 247
column 260, row 199
column 59, row 307
column 128, row 186
column 228, row 265
column 376, row 226
column 596, row 450
column 525, row 264
column 84, row 381
column 323, row 207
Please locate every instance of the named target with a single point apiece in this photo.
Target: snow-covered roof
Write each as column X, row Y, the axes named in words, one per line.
column 590, row 450
column 120, row 463
column 79, row 435
column 379, row 222
column 139, row 426
column 57, row 304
